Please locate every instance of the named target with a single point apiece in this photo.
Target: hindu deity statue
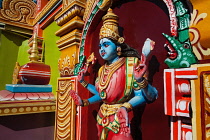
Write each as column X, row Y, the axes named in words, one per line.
column 121, row 83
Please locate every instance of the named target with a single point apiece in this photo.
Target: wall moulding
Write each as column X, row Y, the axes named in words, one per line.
column 16, row 24
column 26, row 108
column 74, row 23
column 21, row 31
column 68, row 3
column 68, row 14
column 70, row 38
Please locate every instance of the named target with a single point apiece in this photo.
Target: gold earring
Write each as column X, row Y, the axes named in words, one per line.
column 119, row 51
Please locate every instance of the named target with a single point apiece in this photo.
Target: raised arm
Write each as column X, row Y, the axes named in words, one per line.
column 143, row 92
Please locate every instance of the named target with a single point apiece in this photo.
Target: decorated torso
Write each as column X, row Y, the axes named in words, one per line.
column 113, row 82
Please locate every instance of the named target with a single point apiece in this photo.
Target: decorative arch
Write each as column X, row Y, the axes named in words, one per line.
column 93, row 13
column 92, row 21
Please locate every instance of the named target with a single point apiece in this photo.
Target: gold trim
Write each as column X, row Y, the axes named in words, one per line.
column 110, row 27
column 106, row 4
column 130, row 61
column 34, row 57
column 26, row 108
column 88, row 9
column 128, row 106
column 84, row 83
column 108, row 110
column 140, row 85
column 15, row 76
column 86, row 102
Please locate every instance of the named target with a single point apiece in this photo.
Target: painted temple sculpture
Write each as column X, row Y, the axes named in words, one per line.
column 179, row 46
column 121, row 84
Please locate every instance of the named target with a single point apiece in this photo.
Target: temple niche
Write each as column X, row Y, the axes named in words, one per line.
column 45, row 44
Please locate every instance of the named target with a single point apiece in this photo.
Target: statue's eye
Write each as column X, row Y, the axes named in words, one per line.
column 106, row 45
column 186, row 46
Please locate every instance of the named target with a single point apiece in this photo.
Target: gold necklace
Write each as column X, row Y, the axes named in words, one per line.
column 108, row 71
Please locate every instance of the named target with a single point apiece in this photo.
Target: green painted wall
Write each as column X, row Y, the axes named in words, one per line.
column 14, row 48
column 52, row 52
column 23, row 53
column 9, row 47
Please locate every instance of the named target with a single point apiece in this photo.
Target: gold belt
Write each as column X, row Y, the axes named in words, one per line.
column 106, row 111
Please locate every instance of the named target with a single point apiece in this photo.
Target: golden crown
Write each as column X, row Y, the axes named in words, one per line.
column 110, row 27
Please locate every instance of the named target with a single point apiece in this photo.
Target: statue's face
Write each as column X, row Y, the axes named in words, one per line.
column 107, row 50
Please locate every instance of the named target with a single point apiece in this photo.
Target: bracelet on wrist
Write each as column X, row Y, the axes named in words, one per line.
column 85, row 102
column 84, row 83
column 140, row 85
column 128, row 106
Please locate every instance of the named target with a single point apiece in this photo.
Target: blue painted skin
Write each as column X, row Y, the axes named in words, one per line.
column 108, row 51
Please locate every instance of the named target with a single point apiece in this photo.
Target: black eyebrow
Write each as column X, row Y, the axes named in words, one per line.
column 105, row 42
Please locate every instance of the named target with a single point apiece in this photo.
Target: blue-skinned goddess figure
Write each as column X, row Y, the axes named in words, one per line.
column 121, row 83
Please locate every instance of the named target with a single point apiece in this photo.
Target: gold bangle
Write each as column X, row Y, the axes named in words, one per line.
column 128, row 106
column 84, row 83
column 85, row 102
column 140, row 85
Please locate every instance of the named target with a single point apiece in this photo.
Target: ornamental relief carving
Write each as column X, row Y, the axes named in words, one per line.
column 106, row 4
column 206, row 101
column 88, row 10
column 66, row 65
column 22, row 11
column 65, row 122
column 202, row 51
column 66, row 3
column 75, row 10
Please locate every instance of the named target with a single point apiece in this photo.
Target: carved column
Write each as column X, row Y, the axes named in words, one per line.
column 201, row 103
column 177, row 101
column 66, row 110
column 70, row 20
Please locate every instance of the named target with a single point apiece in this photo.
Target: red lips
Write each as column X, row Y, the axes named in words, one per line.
column 103, row 53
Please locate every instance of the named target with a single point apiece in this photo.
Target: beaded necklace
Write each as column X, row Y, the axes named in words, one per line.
column 108, row 71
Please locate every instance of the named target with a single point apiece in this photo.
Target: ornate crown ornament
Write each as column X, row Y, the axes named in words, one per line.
column 110, row 27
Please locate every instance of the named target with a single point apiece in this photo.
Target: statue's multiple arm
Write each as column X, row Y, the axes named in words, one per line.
column 96, row 98
column 143, row 92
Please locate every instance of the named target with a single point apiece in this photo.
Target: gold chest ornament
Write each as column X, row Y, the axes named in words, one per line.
column 106, row 74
